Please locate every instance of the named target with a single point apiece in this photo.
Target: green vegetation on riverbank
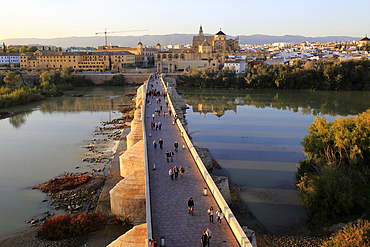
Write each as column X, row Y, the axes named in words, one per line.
column 15, row 91
column 333, row 182
column 324, row 76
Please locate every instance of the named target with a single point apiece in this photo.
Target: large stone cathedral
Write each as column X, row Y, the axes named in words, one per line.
column 217, row 43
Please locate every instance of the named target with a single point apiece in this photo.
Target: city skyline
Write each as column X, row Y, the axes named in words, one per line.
column 45, row 19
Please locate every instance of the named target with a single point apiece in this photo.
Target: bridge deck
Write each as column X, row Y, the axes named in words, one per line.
column 170, row 217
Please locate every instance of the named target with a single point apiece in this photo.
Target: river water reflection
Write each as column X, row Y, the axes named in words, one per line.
column 45, row 140
column 255, row 137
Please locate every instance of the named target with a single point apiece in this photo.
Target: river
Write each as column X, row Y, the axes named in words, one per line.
column 46, row 139
column 255, row 136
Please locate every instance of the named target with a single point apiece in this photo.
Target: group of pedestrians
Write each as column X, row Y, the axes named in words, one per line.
column 219, row 215
column 156, row 126
column 174, row 172
column 169, row 156
column 206, row 237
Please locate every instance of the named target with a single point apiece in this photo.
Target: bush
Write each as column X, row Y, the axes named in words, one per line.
column 60, row 227
column 356, row 235
column 332, row 192
column 65, row 183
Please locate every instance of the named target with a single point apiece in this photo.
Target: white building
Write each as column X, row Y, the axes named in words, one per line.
column 238, row 65
column 9, row 59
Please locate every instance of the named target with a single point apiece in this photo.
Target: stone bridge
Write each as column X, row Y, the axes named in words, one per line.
column 147, row 195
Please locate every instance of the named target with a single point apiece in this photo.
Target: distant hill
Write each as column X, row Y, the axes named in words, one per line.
column 164, row 40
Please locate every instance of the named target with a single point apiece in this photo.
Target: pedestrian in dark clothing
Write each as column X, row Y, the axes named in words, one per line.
column 160, row 125
column 160, row 142
column 168, row 156
column 160, row 107
column 176, row 145
column 182, row 170
column 156, row 126
column 171, row 155
column 204, row 239
column 176, row 171
column 191, row 206
column 169, row 112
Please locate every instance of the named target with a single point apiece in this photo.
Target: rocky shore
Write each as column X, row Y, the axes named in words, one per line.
column 84, row 198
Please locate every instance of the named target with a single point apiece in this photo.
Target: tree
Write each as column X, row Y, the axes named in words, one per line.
column 32, row 49
column 45, row 79
column 334, row 180
column 23, row 49
column 67, row 71
column 12, row 79
column 309, row 65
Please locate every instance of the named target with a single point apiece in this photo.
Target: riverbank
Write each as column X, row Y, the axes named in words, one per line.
column 108, row 140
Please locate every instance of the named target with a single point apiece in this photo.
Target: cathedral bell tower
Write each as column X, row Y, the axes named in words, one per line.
column 200, row 31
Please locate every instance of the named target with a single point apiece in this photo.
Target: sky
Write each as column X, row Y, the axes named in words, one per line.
column 81, row 18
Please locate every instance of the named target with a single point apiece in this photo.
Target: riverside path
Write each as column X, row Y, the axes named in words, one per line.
column 170, row 214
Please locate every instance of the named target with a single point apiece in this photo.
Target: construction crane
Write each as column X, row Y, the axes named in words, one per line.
column 106, row 34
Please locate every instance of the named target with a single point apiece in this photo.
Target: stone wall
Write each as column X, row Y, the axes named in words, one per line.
column 135, row 237
column 130, row 78
column 222, row 184
column 128, row 197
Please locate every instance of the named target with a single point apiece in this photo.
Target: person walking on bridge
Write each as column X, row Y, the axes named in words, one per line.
column 176, row 145
column 182, row 170
column 204, row 239
column 191, row 206
column 160, row 142
column 155, row 144
column 210, row 213
column 168, row 156
column 176, row 171
column 219, row 215
column 209, row 235
column 170, row 172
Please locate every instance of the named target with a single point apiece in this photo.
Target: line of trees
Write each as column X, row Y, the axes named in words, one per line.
column 25, row 48
column 14, row 91
column 322, row 76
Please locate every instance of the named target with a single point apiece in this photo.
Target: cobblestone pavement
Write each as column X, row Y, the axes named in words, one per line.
column 170, row 215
